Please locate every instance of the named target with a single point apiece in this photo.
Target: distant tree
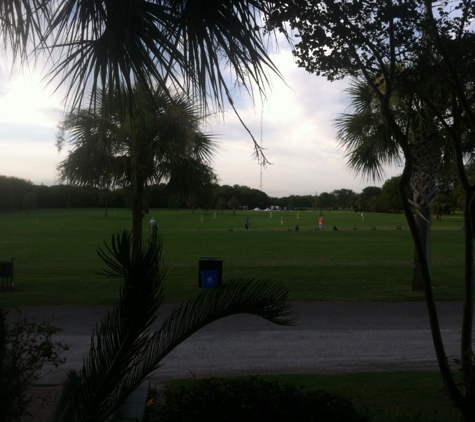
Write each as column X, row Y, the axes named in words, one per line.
column 93, row 157
column 246, row 196
column 226, row 192
column 208, row 195
column 447, row 199
column 162, row 141
column 389, row 198
column 175, row 201
column 12, row 192
column 251, row 197
column 234, row 204
column 157, row 195
column 344, row 198
column 315, row 201
column 293, row 201
column 366, row 201
column 192, row 201
column 441, row 205
column 326, row 200
column 221, row 203
column 120, row 198
column 30, row 200
column 451, row 187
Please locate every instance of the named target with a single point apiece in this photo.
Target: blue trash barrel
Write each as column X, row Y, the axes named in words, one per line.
column 210, row 273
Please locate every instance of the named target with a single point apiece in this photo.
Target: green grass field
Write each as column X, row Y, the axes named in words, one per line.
column 56, row 262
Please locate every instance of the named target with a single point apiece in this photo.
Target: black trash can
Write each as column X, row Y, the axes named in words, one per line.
column 6, row 274
column 210, row 273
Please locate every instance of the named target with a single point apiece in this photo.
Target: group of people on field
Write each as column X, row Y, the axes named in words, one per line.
column 154, row 226
column 321, row 223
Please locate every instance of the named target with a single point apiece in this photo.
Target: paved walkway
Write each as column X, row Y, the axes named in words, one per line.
column 330, row 337
column 45, row 398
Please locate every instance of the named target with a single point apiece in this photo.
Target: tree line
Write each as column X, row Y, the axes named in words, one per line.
column 20, row 194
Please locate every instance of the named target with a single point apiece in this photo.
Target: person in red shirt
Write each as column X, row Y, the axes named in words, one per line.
column 321, row 223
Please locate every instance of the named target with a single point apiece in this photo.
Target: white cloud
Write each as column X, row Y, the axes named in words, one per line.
column 24, row 101
column 29, row 114
column 297, row 134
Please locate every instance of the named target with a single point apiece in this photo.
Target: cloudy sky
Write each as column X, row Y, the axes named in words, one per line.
column 296, row 122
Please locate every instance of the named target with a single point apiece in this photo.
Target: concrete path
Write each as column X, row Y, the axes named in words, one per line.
column 330, row 337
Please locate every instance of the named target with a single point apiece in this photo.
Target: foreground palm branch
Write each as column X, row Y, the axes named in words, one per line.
column 124, row 350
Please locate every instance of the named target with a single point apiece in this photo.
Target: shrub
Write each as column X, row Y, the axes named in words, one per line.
column 25, row 347
column 253, row 399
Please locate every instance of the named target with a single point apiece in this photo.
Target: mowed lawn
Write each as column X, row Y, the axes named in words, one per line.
column 56, row 263
column 366, row 259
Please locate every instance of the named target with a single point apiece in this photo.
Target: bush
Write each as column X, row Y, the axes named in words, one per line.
column 25, row 347
column 249, row 400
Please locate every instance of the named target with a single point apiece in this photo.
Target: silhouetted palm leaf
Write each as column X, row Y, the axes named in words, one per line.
column 263, row 298
column 185, row 43
column 22, row 21
column 118, row 339
column 365, row 134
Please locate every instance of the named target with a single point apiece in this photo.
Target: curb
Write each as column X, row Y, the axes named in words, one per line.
column 134, row 406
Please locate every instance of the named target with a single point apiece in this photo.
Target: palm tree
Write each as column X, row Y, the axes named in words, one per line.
column 92, row 160
column 125, row 350
column 111, row 46
column 158, row 140
column 368, row 139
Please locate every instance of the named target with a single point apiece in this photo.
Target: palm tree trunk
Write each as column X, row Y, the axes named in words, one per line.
column 442, row 359
column 138, row 191
column 468, row 361
column 106, row 203
column 423, row 227
column 423, row 183
column 137, row 216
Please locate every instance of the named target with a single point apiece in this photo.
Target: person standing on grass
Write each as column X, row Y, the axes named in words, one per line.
column 153, row 225
column 321, row 223
column 246, row 223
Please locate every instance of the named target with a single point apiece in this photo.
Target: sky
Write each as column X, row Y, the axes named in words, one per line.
column 295, row 126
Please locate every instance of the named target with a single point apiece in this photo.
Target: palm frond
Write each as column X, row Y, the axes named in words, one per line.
column 123, row 349
column 263, row 298
column 89, row 394
column 204, row 147
column 365, row 135
column 22, row 21
column 185, row 43
column 159, row 136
